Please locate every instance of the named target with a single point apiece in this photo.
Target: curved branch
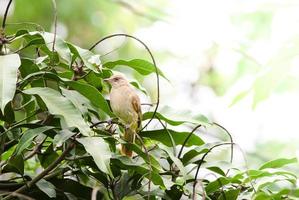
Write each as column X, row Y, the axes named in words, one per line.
column 231, row 140
column 186, row 140
column 154, row 63
column 5, row 14
column 202, row 159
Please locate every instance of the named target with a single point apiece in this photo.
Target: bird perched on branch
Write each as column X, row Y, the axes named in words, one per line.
column 125, row 104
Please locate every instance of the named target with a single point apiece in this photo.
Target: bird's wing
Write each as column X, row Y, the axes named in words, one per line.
column 137, row 109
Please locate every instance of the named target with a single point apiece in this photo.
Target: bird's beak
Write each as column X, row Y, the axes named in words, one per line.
column 107, row 80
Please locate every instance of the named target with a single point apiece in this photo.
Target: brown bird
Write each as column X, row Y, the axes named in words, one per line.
column 125, row 104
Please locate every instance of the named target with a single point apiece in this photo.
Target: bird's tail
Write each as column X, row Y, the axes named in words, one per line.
column 129, row 136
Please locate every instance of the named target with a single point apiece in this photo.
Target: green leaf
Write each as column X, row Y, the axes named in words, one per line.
column 9, row 65
column 126, row 163
column 61, row 106
column 90, row 60
column 155, row 164
column 217, row 169
column 91, row 93
column 178, row 164
column 177, row 119
column 61, row 137
column 278, row 163
column 215, row 185
column 179, row 137
column 141, row 66
column 60, row 45
column 15, row 164
column 47, row 188
column 138, row 86
column 99, row 150
column 230, row 194
column 28, row 136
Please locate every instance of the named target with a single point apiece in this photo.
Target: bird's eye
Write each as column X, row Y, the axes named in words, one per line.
column 116, row 79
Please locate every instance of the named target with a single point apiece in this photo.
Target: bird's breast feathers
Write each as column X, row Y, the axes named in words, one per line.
column 121, row 103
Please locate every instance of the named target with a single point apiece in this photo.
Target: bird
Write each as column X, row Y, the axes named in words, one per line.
column 125, row 104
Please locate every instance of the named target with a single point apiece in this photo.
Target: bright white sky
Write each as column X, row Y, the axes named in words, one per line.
column 194, row 25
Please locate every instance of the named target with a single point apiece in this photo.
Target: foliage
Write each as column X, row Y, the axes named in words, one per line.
column 59, row 138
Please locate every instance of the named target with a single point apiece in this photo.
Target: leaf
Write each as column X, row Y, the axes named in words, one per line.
column 230, row 194
column 155, row 164
column 61, row 137
column 278, row 163
column 15, row 164
column 73, row 187
column 99, row 150
column 215, row 185
column 175, row 160
column 177, row 119
column 138, row 86
column 255, row 174
column 90, row 60
column 9, row 65
column 60, row 45
column 46, row 187
column 179, row 137
column 217, row 169
column 91, row 93
column 61, row 106
column 141, row 66
column 126, row 163
column 28, row 136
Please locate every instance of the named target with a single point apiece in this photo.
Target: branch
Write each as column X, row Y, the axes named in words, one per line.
column 55, row 26
column 36, row 150
column 231, row 140
column 5, row 14
column 154, row 63
column 170, row 137
column 43, row 173
column 186, row 140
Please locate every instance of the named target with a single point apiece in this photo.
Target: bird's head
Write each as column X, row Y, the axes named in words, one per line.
column 116, row 80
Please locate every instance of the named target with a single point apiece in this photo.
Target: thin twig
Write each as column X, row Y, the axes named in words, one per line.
column 231, row 140
column 186, row 140
column 36, row 149
column 55, row 24
column 154, row 63
column 5, row 14
column 43, row 173
column 170, row 137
